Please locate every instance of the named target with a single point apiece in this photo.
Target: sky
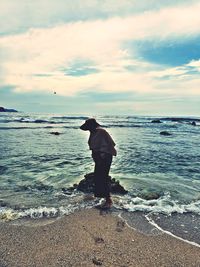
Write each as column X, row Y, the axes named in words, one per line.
column 100, row 56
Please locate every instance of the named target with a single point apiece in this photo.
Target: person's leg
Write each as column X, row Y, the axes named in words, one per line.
column 105, row 175
column 101, row 172
column 98, row 175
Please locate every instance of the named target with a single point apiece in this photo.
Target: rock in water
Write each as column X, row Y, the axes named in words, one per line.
column 86, row 185
column 156, row 121
column 55, row 133
column 2, row 109
column 165, row 133
column 150, row 195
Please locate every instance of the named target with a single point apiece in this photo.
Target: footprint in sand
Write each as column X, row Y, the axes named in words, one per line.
column 97, row 261
column 120, row 226
column 98, row 240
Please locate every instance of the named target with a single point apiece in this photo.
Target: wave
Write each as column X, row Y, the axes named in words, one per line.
column 71, row 117
column 121, row 126
column 38, row 121
column 5, row 121
column 121, row 119
column 22, row 120
column 24, row 127
column 37, row 186
column 9, row 214
column 71, row 122
column 53, row 120
column 164, row 205
column 67, row 127
column 180, row 119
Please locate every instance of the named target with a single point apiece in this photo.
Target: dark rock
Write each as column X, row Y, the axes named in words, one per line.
column 177, row 119
column 165, row 133
column 11, row 110
column 71, row 188
column 86, row 185
column 67, row 191
column 194, row 123
column 183, row 119
column 7, row 110
column 55, row 133
column 2, row 203
column 149, row 195
column 40, row 121
column 156, row 121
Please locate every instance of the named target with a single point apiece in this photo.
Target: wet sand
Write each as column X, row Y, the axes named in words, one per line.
column 90, row 238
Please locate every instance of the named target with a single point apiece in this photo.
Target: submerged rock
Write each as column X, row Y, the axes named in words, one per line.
column 183, row 119
column 86, row 185
column 194, row 123
column 55, row 133
column 165, row 133
column 149, row 195
column 156, row 121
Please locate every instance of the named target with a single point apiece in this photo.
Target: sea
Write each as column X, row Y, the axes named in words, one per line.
column 160, row 171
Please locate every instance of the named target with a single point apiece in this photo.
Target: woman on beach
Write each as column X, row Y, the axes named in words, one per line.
column 103, row 150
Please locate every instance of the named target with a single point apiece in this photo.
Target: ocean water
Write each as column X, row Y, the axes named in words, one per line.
column 35, row 165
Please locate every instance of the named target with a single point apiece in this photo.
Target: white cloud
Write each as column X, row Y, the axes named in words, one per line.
column 194, row 64
column 48, row 51
column 20, row 15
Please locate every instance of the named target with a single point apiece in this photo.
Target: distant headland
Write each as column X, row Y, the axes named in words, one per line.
column 7, row 110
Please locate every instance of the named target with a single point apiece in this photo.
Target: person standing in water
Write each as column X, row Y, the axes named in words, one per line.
column 103, row 150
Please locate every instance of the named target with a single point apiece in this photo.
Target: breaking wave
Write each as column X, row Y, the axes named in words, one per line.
column 163, row 205
column 71, row 118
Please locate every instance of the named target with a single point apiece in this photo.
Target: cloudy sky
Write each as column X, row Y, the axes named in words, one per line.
column 100, row 56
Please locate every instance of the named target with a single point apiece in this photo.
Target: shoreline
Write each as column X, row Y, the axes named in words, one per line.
column 171, row 225
column 92, row 237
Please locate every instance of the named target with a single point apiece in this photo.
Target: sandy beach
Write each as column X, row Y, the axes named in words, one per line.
column 90, row 238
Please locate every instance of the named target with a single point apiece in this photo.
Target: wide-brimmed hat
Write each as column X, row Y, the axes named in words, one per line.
column 90, row 124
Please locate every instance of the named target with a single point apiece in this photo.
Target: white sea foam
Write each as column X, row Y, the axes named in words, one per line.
column 7, row 214
column 162, row 205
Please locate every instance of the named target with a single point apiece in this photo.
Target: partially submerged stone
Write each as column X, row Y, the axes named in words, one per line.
column 55, row 133
column 149, row 195
column 156, row 121
column 165, row 133
column 86, row 185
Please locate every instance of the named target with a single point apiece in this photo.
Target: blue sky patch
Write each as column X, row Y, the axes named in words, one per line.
column 170, row 53
column 80, row 68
